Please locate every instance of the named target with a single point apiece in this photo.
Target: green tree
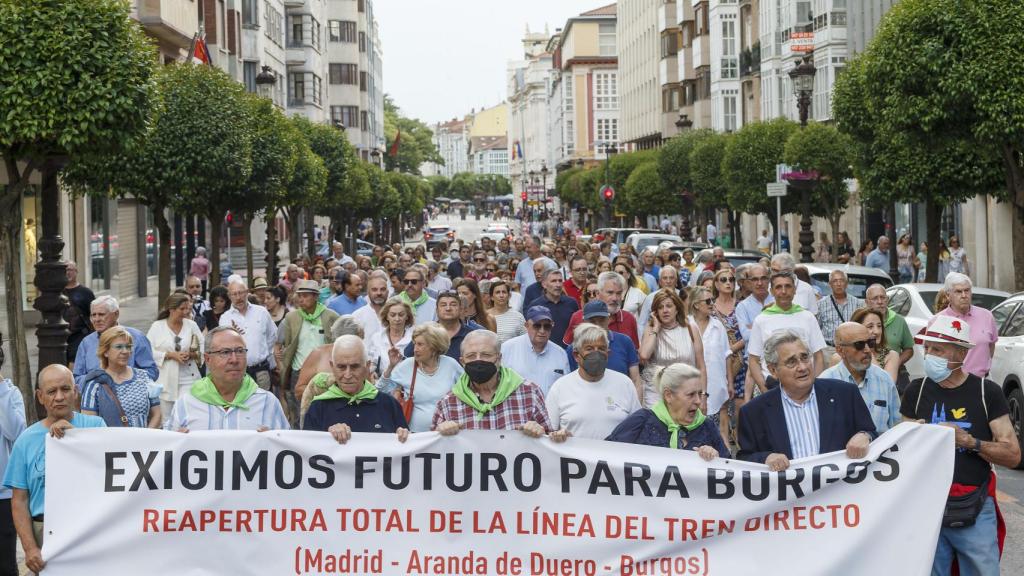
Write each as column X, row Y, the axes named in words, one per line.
column 913, row 140
column 619, row 169
column 77, row 76
column 438, row 186
column 823, row 149
column 676, row 167
column 751, row 155
column 708, row 187
column 416, row 145
column 306, row 188
column 646, row 194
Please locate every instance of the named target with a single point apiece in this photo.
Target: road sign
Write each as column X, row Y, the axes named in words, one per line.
column 781, row 169
column 776, row 189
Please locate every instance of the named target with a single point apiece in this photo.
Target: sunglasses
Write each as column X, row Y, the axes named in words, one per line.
column 410, row 282
column 860, row 344
column 544, row 326
column 479, row 260
column 592, row 293
column 727, row 279
column 709, row 301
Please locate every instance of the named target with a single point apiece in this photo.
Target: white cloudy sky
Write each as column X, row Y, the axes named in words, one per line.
column 444, row 57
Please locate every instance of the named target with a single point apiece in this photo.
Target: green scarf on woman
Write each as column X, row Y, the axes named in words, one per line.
column 508, row 382
column 204, row 390
column 661, row 411
column 367, row 392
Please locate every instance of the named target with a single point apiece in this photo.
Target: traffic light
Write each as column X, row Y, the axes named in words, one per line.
column 607, row 193
column 523, row 196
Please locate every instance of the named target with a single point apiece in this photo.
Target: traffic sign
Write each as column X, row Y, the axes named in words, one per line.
column 776, row 189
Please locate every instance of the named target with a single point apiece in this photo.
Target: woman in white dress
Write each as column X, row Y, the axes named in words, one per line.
column 510, row 322
column 386, row 345
column 633, row 299
column 177, row 345
column 668, row 339
column 714, row 337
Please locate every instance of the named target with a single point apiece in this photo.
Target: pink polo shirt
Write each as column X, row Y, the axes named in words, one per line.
column 984, row 333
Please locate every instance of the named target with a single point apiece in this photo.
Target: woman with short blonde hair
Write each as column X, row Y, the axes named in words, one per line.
column 427, row 376
column 385, row 347
column 116, row 392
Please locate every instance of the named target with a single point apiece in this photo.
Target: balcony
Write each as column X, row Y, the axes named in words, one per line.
column 173, row 22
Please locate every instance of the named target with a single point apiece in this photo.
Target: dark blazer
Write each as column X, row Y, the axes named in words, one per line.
column 841, row 414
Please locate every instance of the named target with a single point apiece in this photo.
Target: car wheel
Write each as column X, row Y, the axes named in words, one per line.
column 1016, row 402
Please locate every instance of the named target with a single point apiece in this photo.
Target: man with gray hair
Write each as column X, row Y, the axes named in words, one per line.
column 554, row 299
column 104, row 313
column 806, row 295
column 984, row 331
column 258, row 330
column 783, row 315
column 376, row 295
column 804, row 416
column 610, row 289
column 227, row 398
column 879, row 257
column 523, row 272
column 837, row 307
column 541, row 266
column 436, row 283
column 489, row 396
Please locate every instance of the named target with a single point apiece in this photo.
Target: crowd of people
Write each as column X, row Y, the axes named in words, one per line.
column 554, row 337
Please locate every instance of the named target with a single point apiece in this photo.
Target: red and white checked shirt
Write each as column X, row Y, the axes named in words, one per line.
column 524, row 405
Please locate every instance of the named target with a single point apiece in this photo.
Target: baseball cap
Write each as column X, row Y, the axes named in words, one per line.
column 536, row 313
column 595, row 309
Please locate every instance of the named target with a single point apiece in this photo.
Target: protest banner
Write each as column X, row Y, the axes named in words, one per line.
column 494, row 503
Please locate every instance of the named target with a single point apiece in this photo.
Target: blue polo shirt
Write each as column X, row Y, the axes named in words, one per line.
column 342, row 304
column 621, row 354
column 561, row 314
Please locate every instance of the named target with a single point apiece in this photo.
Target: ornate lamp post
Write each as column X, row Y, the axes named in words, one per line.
column 544, row 184
column 683, row 124
column 265, row 82
column 51, row 274
column 802, row 76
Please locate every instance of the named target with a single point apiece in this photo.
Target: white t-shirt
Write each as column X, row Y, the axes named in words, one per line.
column 803, row 323
column 764, row 242
column 591, row 409
column 806, row 296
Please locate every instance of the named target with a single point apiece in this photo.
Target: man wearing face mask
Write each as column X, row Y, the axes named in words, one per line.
column 978, row 412
column 491, row 397
column 592, row 401
column 622, row 355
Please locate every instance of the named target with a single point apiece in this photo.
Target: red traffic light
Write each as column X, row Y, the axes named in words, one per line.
column 608, row 193
column 523, row 196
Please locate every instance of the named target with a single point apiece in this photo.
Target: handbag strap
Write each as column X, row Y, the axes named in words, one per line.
column 836, row 306
column 120, row 409
column 412, row 385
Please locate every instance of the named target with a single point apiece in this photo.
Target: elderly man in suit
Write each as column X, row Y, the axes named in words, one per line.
column 803, row 416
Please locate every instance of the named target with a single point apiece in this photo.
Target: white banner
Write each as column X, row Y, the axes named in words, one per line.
column 278, row 503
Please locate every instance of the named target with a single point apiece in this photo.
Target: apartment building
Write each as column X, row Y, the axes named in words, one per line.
column 529, row 128
column 584, row 94
column 638, row 41
column 488, row 155
column 452, row 141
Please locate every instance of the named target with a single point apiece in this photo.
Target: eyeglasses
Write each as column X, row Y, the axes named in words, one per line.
column 758, row 279
column 177, row 343
column 796, row 360
column 860, row 344
column 727, row 279
column 544, row 326
column 121, row 346
column 709, row 301
column 411, row 281
column 479, row 259
column 228, row 352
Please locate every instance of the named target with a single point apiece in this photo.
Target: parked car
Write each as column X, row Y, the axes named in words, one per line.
column 438, row 233
column 1008, row 360
column 740, row 257
column 641, row 241
column 619, row 235
column 916, row 303
column 496, row 231
column 364, row 248
column 860, row 277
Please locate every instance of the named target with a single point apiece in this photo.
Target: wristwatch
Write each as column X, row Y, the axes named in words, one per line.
column 977, row 445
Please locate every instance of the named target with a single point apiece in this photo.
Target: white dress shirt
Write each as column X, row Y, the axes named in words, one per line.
column 259, row 332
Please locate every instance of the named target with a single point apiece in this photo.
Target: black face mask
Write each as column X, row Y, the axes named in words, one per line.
column 595, row 363
column 480, row 371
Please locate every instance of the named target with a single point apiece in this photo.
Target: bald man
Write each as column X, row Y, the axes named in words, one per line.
column 856, row 350
column 56, row 391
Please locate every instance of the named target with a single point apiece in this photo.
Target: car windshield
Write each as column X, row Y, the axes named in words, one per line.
column 741, row 259
column 986, row 301
column 858, row 283
column 645, row 241
column 438, row 228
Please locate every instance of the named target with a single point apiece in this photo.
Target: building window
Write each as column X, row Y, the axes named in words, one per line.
column 362, row 81
column 296, row 89
column 364, row 121
column 347, row 115
column 669, row 44
column 343, row 74
column 318, row 90
column 362, row 6
column 567, row 93
column 729, row 107
column 304, row 32
column 606, row 40
column 730, row 63
column 570, row 137
column 342, row 31
column 607, row 130
column 362, row 41
column 250, row 12
column 607, row 92
column 274, row 30
column 249, row 75
column 700, row 18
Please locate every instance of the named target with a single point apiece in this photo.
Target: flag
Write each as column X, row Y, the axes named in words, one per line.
column 514, row 145
column 394, row 145
column 199, row 53
column 518, row 150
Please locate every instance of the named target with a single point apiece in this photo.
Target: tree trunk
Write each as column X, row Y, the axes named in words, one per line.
column 216, row 225
column 310, row 238
column 291, row 218
column 271, row 246
column 10, row 257
column 933, row 213
column 163, row 254
column 1015, row 186
column 247, row 230
column 833, row 221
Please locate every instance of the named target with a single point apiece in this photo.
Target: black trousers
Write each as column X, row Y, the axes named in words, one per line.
column 8, row 541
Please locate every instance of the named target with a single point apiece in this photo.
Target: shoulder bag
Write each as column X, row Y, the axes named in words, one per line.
column 120, row 409
column 407, row 399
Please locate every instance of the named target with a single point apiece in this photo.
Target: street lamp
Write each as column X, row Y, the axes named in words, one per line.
column 802, row 76
column 265, row 81
column 684, row 122
column 544, row 185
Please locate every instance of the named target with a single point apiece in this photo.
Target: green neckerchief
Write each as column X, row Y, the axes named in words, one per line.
column 204, row 390
column 774, row 309
column 367, row 392
column 419, row 301
column 889, row 316
column 508, row 381
column 313, row 318
column 661, row 411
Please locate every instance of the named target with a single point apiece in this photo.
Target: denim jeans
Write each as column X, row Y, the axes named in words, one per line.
column 975, row 548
